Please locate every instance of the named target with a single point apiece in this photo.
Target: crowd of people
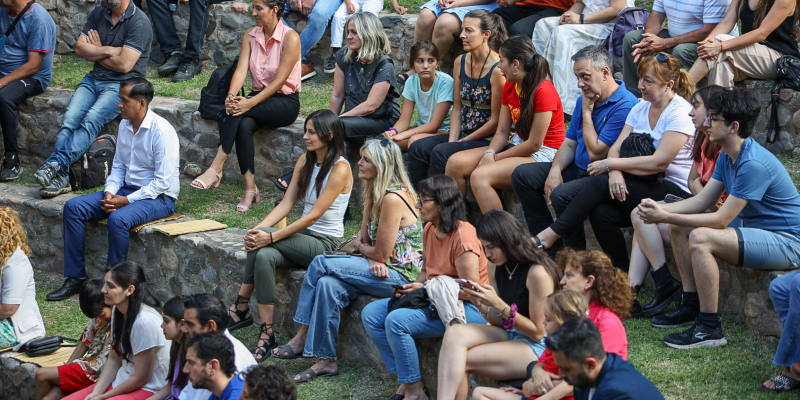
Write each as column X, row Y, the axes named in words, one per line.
column 509, row 303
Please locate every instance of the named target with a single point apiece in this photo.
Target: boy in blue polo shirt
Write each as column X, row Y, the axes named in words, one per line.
column 760, row 193
column 26, row 67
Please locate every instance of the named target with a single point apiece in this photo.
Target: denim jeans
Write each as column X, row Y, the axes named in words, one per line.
column 785, row 294
column 79, row 210
column 318, row 20
column 166, row 33
column 93, row 105
column 394, row 334
column 328, row 287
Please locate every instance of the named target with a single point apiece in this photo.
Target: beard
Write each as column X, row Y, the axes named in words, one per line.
column 581, row 382
column 110, row 4
column 204, row 382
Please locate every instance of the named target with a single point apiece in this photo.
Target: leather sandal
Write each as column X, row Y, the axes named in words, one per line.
column 250, row 197
column 287, row 178
column 262, row 351
column 198, row 184
column 242, row 315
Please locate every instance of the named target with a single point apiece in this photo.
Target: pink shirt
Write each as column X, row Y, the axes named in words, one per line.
column 615, row 339
column 265, row 57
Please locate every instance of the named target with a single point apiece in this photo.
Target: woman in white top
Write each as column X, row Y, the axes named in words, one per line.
column 323, row 180
column 20, row 320
column 619, row 182
column 139, row 358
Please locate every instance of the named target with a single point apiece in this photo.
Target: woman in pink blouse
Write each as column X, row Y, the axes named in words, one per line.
column 273, row 53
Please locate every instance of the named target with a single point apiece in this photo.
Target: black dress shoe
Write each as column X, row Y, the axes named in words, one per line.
column 70, row 287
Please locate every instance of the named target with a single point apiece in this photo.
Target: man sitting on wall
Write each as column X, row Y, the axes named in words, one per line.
column 142, row 186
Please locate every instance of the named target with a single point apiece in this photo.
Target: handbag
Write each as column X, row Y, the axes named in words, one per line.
column 639, row 145
column 10, row 29
column 788, row 78
column 42, row 346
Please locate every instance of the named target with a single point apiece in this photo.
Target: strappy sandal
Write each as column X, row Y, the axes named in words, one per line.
column 242, row 315
column 261, row 353
column 783, row 383
column 198, row 184
column 286, row 178
column 248, row 201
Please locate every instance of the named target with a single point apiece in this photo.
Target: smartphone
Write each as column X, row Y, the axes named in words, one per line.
column 671, row 198
column 398, row 287
column 464, row 284
column 336, row 254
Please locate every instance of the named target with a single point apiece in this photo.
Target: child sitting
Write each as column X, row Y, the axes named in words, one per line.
column 84, row 365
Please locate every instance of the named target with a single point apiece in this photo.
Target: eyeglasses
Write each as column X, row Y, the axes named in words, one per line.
column 662, row 57
column 710, row 120
column 423, row 201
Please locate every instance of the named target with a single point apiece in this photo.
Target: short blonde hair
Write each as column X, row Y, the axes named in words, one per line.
column 388, row 160
column 564, row 305
column 374, row 42
column 12, row 235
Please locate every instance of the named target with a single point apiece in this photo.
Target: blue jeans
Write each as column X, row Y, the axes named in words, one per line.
column 785, row 294
column 328, row 287
column 93, row 105
column 394, row 334
column 318, row 21
column 79, row 210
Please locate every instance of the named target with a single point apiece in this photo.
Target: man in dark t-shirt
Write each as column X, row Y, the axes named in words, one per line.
column 117, row 37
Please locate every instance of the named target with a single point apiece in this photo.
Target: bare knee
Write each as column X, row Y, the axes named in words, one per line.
column 480, row 393
column 446, row 25
column 699, row 240
column 455, row 337
column 481, row 177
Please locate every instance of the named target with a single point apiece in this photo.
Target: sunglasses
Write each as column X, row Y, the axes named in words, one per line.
column 662, row 57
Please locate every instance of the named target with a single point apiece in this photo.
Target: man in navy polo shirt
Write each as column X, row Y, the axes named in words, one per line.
column 117, row 37
column 210, row 365
column 26, row 67
column 605, row 105
column 760, row 192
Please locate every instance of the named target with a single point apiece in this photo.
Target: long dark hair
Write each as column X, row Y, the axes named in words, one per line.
column 762, row 9
column 493, row 23
column 124, row 274
column 174, row 309
column 506, row 232
column 444, row 192
column 520, row 48
column 325, row 122
column 700, row 137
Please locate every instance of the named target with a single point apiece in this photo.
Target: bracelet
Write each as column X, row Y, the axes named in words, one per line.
column 360, row 247
column 395, row 130
column 415, row 131
column 492, row 153
column 721, row 47
column 581, row 18
column 270, row 238
column 231, row 94
column 508, row 324
column 608, row 169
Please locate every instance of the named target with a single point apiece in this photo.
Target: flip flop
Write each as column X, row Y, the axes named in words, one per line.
column 313, row 375
column 286, row 178
column 782, row 383
column 402, row 78
column 286, row 349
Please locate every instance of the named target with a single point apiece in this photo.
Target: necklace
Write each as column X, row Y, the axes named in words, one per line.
column 511, row 273
column 475, row 81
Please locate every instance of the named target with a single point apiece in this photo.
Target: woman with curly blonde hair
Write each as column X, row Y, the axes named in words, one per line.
column 20, row 320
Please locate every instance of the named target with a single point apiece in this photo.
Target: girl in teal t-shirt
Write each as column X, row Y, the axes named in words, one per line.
column 430, row 91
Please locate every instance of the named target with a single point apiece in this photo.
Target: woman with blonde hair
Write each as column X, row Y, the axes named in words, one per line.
column 390, row 241
column 20, row 320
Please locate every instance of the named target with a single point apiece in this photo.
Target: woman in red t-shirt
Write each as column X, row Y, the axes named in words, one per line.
column 531, row 108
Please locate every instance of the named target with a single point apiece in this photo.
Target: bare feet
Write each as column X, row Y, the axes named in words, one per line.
column 321, row 367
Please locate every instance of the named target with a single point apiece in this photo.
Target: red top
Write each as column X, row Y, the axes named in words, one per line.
column 545, row 99
column 560, row 4
column 705, row 168
column 551, row 367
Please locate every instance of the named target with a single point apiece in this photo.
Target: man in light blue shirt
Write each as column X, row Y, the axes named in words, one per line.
column 760, row 192
column 142, row 186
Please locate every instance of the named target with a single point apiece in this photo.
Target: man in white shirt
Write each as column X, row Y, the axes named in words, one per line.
column 205, row 313
column 142, row 186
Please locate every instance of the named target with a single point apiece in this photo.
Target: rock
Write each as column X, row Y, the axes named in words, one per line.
column 192, row 169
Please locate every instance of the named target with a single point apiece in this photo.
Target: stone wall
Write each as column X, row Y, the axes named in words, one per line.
column 788, row 116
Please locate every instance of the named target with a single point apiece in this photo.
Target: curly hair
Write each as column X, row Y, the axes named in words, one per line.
column 610, row 287
column 269, row 382
column 12, row 234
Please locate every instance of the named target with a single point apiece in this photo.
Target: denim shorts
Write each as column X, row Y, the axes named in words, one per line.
column 537, row 347
column 459, row 12
column 762, row 249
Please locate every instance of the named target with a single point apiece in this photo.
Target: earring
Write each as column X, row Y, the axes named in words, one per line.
column 585, row 288
column 514, row 72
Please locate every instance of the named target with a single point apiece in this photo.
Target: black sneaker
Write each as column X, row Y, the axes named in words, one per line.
column 683, row 315
column 58, row 185
column 11, row 168
column 46, row 173
column 699, row 335
column 330, row 65
column 172, row 64
column 189, row 69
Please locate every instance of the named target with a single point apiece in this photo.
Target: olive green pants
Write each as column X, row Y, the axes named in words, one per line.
column 296, row 251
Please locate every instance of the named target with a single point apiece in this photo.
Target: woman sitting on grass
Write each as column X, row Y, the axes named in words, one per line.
column 323, row 181
column 431, row 92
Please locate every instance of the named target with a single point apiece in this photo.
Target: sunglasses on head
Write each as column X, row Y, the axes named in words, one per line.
column 662, row 57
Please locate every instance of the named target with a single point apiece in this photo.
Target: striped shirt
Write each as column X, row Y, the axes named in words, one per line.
column 684, row 16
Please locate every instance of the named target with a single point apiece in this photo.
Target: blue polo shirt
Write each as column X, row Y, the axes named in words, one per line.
column 608, row 117
column 233, row 391
column 35, row 32
column 759, row 177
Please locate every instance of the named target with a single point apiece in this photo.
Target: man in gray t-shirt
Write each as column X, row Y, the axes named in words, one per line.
column 117, row 37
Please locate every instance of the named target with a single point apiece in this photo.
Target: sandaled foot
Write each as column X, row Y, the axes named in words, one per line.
column 250, row 197
column 265, row 343
column 780, row 383
column 286, row 352
column 309, row 375
column 208, row 179
column 238, row 318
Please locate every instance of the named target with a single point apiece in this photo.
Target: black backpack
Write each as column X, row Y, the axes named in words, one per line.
column 94, row 166
column 788, row 78
column 212, row 97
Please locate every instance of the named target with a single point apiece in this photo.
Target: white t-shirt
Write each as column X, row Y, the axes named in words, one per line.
column 146, row 333
column 674, row 118
column 17, row 287
column 243, row 360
